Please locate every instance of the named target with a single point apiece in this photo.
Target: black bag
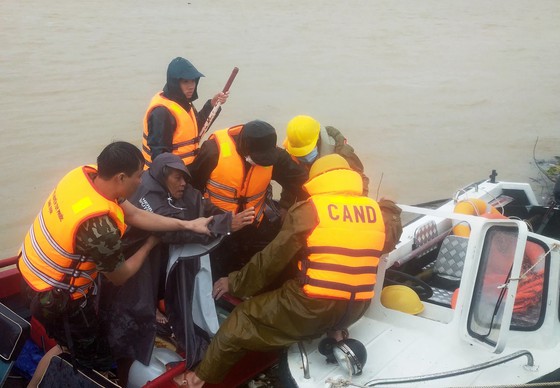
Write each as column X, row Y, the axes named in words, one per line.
column 15, row 331
column 61, row 373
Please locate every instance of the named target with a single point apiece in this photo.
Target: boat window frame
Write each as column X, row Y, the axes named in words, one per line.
column 487, row 230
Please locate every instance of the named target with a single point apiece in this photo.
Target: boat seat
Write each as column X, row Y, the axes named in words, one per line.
column 15, row 331
column 448, row 269
column 425, row 242
column 60, row 369
column 423, row 234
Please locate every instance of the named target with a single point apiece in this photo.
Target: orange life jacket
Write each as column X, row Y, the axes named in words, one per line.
column 344, row 248
column 231, row 187
column 185, row 136
column 530, row 286
column 48, row 258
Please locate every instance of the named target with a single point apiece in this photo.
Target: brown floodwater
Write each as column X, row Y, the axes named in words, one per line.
column 433, row 95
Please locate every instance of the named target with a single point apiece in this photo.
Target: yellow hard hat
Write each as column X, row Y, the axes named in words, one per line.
column 328, row 163
column 302, row 134
column 401, row 298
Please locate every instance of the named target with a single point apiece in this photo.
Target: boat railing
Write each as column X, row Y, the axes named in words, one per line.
column 457, row 372
column 8, row 261
column 9, row 277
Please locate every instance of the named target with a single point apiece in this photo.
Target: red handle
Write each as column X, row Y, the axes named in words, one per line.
column 230, row 79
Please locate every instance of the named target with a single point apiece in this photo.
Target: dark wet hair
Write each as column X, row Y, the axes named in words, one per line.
column 118, row 157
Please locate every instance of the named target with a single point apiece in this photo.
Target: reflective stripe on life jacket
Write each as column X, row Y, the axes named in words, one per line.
column 231, row 187
column 343, row 250
column 185, row 136
column 48, row 258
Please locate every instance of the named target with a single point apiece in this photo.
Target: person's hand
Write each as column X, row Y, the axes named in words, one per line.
column 220, row 97
column 152, row 241
column 241, row 219
column 200, row 225
column 221, row 286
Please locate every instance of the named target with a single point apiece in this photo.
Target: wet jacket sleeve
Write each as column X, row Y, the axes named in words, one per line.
column 291, row 176
column 220, row 224
column 393, row 226
column 183, row 237
column 342, row 148
column 347, row 152
column 161, row 126
column 203, row 165
column 266, row 265
column 99, row 239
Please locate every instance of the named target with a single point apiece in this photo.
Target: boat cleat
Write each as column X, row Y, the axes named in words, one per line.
column 531, row 368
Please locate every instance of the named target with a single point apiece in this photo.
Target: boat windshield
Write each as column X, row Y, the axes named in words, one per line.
column 498, row 253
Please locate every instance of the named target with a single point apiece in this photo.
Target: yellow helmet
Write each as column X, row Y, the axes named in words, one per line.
column 328, row 163
column 401, row 298
column 302, row 134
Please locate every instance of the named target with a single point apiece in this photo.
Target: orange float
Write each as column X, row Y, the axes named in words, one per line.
column 454, row 298
column 473, row 207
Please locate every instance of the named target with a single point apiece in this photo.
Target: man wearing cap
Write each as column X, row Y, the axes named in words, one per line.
column 306, row 140
column 336, row 238
column 171, row 123
column 234, row 169
column 129, row 311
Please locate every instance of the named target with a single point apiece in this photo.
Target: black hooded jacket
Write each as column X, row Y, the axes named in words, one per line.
column 128, row 311
column 152, row 195
column 161, row 123
column 179, row 69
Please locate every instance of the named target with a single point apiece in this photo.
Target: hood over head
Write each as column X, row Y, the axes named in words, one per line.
column 153, row 196
column 166, row 159
column 178, row 69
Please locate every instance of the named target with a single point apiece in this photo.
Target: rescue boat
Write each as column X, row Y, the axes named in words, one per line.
column 24, row 340
column 476, row 308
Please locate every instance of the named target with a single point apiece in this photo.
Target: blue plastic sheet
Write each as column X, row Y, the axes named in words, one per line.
column 27, row 361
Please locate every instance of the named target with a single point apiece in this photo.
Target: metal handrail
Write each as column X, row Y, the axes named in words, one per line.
column 304, row 360
column 470, row 369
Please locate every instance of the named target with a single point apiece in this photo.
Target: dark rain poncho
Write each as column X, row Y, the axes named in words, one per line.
column 128, row 311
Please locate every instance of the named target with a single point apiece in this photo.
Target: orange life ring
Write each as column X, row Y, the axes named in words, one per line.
column 473, row 207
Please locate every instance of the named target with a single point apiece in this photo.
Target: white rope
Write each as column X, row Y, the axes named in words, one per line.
column 541, row 258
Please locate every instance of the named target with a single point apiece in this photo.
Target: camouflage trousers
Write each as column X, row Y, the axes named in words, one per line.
column 73, row 324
